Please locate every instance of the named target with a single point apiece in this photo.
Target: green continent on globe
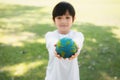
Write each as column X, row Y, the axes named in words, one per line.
column 66, row 47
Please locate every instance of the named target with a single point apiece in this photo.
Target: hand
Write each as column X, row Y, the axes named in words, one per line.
column 57, row 55
column 71, row 58
column 74, row 56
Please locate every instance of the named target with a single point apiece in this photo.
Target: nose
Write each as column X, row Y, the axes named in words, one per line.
column 63, row 20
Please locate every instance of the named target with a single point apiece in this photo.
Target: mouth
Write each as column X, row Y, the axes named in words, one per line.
column 63, row 25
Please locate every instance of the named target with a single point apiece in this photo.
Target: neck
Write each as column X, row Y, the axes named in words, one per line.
column 63, row 32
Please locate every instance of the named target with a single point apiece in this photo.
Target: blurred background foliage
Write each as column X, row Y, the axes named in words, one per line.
column 23, row 24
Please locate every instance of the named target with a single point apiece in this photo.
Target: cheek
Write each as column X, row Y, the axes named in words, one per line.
column 70, row 23
column 57, row 22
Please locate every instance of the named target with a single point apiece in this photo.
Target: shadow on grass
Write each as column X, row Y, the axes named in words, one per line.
column 23, row 62
column 100, row 56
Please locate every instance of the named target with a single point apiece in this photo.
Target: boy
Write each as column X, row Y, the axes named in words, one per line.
column 59, row 68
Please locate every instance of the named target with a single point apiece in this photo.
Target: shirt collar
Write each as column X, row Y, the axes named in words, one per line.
column 64, row 35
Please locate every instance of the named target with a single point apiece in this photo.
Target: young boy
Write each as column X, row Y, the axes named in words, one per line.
column 59, row 68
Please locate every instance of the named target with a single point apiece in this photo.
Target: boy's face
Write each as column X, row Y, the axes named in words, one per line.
column 64, row 22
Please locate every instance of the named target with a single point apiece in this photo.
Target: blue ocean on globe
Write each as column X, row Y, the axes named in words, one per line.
column 66, row 47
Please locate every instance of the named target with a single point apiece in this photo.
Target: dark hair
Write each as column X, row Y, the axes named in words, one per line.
column 61, row 8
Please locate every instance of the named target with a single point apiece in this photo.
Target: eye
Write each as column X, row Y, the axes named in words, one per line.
column 68, row 17
column 59, row 17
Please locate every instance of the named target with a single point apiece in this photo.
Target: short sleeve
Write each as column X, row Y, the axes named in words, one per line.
column 79, row 41
column 47, row 36
column 50, row 40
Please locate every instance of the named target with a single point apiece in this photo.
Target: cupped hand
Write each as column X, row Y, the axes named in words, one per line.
column 75, row 55
column 56, row 54
column 71, row 58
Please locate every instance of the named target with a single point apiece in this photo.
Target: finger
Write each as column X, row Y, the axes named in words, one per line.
column 71, row 58
column 65, row 58
column 55, row 45
column 58, row 56
column 55, row 54
column 76, row 54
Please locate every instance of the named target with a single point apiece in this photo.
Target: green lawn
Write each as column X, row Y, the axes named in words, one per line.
column 23, row 55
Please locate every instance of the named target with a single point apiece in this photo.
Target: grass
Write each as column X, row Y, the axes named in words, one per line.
column 23, row 55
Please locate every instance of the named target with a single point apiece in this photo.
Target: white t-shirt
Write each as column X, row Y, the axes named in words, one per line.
column 60, row 69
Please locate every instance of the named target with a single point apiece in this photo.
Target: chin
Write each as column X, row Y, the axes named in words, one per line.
column 65, row 30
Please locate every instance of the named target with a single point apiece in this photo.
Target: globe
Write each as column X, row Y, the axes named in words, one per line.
column 66, row 47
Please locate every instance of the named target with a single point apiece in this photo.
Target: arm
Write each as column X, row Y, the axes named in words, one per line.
column 79, row 42
column 50, row 45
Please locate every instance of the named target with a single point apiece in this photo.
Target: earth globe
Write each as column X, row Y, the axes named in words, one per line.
column 66, row 47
